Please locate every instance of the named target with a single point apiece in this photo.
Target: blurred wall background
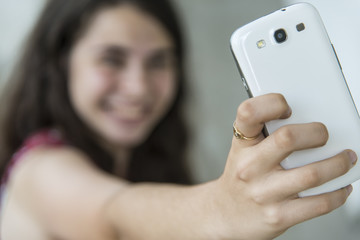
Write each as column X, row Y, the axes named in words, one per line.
column 215, row 86
column 16, row 19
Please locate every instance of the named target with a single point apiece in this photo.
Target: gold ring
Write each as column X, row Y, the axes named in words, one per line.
column 240, row 135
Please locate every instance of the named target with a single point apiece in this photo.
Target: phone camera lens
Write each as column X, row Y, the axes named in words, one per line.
column 280, row 35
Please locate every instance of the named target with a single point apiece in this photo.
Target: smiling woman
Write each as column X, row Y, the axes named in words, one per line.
column 122, row 76
column 93, row 139
column 83, row 74
column 107, row 78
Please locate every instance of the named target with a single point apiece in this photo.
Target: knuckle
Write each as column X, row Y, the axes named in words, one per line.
column 285, row 138
column 280, row 99
column 246, row 111
column 258, row 195
column 324, row 206
column 281, row 103
column 311, row 177
column 273, row 217
column 244, row 172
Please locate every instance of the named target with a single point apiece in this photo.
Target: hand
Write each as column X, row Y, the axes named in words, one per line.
column 256, row 197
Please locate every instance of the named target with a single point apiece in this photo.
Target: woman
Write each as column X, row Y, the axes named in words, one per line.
column 96, row 106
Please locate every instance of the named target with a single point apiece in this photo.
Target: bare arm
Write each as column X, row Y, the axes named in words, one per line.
column 253, row 199
column 165, row 211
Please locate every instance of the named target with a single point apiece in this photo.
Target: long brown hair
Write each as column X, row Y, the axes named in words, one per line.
column 37, row 94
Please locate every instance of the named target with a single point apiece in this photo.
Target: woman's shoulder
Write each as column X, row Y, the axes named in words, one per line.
column 43, row 158
column 47, row 158
column 62, row 187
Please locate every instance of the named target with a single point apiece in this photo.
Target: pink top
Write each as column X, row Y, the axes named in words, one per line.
column 50, row 137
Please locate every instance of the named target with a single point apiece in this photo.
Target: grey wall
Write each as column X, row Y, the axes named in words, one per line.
column 216, row 89
column 16, row 19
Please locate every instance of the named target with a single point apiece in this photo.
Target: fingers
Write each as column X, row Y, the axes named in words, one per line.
column 254, row 112
column 290, row 138
column 268, row 154
column 302, row 209
column 318, row 173
column 302, row 178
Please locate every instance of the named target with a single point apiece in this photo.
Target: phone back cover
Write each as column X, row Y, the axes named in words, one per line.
column 306, row 71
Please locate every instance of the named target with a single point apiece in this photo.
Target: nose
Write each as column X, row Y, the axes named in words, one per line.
column 133, row 82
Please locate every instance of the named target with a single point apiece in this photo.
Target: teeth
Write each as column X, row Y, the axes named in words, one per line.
column 125, row 110
column 130, row 112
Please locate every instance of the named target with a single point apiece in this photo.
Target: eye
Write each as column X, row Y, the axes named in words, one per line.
column 157, row 63
column 161, row 60
column 114, row 61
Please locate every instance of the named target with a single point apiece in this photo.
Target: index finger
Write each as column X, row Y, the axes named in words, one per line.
column 253, row 113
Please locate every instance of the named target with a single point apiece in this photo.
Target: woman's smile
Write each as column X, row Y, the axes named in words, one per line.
column 123, row 81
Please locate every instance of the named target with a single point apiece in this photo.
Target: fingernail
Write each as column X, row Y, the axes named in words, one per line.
column 353, row 157
column 289, row 112
column 349, row 189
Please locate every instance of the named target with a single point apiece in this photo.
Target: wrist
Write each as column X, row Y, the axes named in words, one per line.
column 212, row 222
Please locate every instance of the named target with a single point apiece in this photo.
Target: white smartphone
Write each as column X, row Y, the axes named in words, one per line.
column 289, row 52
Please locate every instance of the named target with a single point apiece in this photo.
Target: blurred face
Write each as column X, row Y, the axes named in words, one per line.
column 122, row 75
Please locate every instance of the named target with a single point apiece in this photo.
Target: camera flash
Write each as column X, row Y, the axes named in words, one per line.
column 261, row 44
column 300, row 27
